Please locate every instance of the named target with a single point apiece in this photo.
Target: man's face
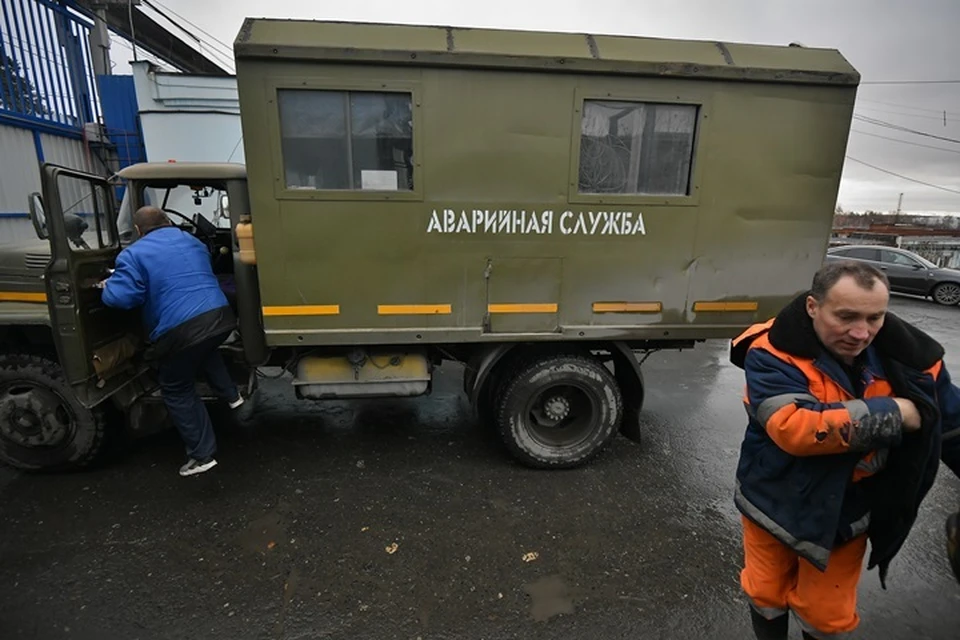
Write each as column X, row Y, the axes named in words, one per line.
column 850, row 316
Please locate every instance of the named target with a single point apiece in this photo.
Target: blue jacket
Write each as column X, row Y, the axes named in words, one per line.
column 823, row 458
column 168, row 274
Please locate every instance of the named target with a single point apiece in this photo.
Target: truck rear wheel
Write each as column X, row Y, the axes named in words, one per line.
column 558, row 412
column 42, row 425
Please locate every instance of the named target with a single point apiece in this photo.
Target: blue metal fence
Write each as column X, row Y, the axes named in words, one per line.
column 118, row 97
column 46, row 69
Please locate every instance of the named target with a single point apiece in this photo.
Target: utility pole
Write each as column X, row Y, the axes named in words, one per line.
column 100, row 42
column 100, row 35
column 896, row 219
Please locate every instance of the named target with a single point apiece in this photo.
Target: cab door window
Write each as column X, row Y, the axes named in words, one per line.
column 86, row 214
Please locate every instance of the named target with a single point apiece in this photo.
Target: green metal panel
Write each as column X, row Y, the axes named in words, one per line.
column 492, row 48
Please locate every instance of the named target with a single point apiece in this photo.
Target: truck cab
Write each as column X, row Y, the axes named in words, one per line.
column 72, row 369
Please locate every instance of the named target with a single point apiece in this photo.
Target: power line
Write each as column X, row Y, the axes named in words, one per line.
column 912, row 144
column 150, row 4
column 903, row 177
column 205, row 47
column 146, row 55
column 911, row 82
column 925, row 116
column 908, row 106
column 897, row 127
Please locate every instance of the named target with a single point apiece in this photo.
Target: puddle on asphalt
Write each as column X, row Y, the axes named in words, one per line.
column 261, row 534
column 549, row 597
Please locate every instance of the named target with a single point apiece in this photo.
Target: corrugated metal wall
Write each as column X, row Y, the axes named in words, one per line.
column 69, row 153
column 118, row 96
column 20, row 174
column 18, row 168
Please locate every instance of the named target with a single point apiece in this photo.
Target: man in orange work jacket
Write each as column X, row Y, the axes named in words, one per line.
column 850, row 411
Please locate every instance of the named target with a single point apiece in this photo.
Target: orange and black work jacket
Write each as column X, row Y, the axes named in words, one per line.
column 824, row 458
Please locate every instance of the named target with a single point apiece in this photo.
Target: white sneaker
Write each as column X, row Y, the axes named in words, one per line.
column 242, row 408
column 194, row 467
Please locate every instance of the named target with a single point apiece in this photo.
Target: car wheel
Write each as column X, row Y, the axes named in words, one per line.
column 947, row 293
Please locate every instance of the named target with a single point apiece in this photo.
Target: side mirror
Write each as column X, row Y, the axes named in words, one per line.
column 75, row 226
column 37, row 216
column 917, row 267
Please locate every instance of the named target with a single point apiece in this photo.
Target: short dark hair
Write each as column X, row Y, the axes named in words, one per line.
column 149, row 218
column 829, row 274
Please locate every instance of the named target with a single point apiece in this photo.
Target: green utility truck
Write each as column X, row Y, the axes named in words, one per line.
column 541, row 207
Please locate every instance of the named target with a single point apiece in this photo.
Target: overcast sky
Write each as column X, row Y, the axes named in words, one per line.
column 884, row 39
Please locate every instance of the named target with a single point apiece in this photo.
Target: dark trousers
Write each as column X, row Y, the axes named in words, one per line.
column 178, row 383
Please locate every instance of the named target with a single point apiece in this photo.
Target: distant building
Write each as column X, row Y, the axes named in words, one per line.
column 936, row 238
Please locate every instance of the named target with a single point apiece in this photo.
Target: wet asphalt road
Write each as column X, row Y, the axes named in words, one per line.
column 290, row 537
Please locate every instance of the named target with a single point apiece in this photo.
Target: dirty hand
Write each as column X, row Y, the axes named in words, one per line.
column 911, row 417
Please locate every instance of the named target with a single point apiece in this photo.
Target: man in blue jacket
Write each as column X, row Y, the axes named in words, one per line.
column 167, row 272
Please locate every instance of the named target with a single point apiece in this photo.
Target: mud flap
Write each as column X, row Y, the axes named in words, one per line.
column 629, row 377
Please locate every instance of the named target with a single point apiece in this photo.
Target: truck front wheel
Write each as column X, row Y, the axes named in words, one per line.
column 42, row 425
column 558, row 412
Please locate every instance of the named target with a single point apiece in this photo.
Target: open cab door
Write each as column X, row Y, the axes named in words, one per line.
column 98, row 346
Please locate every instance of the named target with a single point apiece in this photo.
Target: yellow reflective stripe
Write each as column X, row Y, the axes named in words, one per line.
column 725, row 306
column 22, row 296
column 627, row 307
column 548, row 307
column 413, row 309
column 303, row 310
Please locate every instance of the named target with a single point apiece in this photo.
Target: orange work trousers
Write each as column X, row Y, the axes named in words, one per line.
column 776, row 580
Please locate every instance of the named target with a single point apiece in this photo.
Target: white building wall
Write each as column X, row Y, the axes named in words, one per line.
column 188, row 118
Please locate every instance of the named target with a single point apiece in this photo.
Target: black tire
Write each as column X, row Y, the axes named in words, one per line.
column 946, row 293
column 488, row 401
column 42, row 425
column 572, row 389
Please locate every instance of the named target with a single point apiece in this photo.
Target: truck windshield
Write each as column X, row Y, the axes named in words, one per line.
column 125, row 218
column 185, row 200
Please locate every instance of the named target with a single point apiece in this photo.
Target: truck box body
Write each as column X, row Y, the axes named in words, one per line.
column 538, row 207
column 520, row 185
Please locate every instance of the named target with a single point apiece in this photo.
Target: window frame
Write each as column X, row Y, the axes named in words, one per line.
column 282, row 192
column 101, row 220
column 701, row 129
column 847, row 251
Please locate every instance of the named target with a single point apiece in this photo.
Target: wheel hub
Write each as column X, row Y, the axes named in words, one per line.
column 950, row 294
column 556, row 408
column 32, row 417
